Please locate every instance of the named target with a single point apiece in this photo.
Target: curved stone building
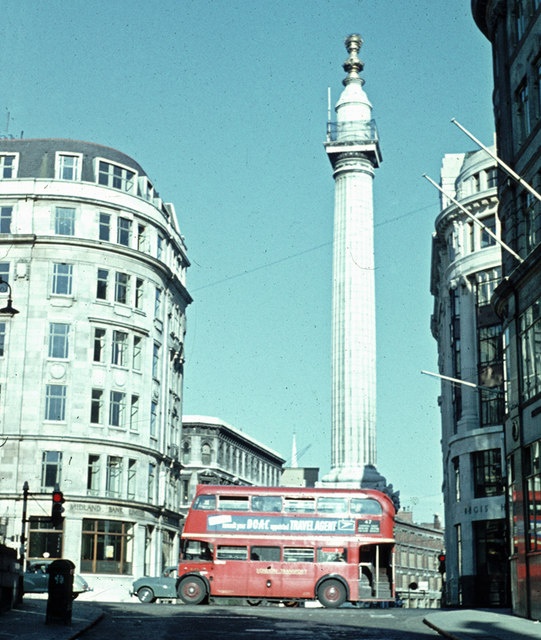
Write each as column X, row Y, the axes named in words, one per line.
column 466, row 268
column 91, row 366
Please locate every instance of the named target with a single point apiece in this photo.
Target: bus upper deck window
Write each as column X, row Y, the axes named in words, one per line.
column 205, row 503
column 272, row 504
column 332, row 505
column 365, row 506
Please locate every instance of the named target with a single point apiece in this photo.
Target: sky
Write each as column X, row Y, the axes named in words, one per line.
column 224, row 104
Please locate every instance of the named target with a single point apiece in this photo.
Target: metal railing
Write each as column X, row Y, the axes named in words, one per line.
column 352, row 132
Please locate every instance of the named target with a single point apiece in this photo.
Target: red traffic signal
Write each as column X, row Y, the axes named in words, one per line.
column 57, row 509
column 441, row 560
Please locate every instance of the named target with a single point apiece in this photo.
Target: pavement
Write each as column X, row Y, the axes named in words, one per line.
column 27, row 622
column 483, row 624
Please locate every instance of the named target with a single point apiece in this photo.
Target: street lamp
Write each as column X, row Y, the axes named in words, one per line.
column 9, row 309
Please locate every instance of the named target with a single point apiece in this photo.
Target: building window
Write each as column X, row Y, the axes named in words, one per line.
column 134, row 413
column 138, row 302
column 454, row 298
column 8, row 166
column 523, row 111
column 64, row 221
column 158, row 303
column 122, row 281
column 132, row 477
column 113, row 478
column 51, row 469
column 55, row 402
column 532, row 221
column 156, row 361
column 4, row 272
column 486, row 282
column 115, row 176
column 101, row 285
column 58, row 340
column 136, row 355
column 487, row 473
column 105, row 227
column 153, row 418
column 119, row 348
column 159, row 246
column 99, row 345
column 96, row 407
column 206, row 454
column 6, row 215
column 533, row 479
column 186, row 453
column 141, row 237
column 151, row 483
column 2, row 338
column 62, row 279
column 492, row 178
column 520, row 19
column 68, row 166
column 117, row 409
column 490, row 347
column 107, row 547
column 530, row 342
column 486, row 239
column 123, row 232
column 44, row 541
column 93, row 475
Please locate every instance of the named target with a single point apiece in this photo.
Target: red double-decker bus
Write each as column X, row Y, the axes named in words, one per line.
column 287, row 545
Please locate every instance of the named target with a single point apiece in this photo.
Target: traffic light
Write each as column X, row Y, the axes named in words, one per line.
column 441, row 560
column 57, row 509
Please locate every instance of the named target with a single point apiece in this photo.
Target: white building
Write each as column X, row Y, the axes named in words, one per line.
column 91, row 368
column 466, row 267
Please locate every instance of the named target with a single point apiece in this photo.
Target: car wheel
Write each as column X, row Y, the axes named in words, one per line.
column 145, row 594
column 331, row 593
column 192, row 590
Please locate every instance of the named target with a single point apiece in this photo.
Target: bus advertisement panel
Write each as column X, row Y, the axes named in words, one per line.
column 287, row 545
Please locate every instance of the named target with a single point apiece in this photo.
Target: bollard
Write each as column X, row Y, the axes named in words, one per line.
column 60, row 592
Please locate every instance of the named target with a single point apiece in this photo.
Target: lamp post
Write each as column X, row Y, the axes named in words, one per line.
column 9, row 309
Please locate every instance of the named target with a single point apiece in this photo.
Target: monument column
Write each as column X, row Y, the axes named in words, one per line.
column 353, row 150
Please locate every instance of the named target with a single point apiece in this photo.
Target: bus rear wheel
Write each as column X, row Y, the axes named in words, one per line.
column 192, row 590
column 331, row 594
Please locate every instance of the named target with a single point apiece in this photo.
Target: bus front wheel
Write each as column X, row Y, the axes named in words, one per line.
column 331, row 593
column 192, row 590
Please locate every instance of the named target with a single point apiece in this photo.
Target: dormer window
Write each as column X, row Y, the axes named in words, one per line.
column 8, row 165
column 68, row 166
column 116, row 176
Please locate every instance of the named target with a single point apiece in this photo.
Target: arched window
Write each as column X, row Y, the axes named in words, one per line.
column 206, row 453
column 186, row 452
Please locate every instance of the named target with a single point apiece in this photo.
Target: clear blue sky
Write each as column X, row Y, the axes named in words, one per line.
column 224, row 103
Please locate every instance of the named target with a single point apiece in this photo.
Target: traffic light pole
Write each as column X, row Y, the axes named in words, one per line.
column 22, row 550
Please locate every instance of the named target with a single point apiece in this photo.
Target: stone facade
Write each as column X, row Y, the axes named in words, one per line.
column 466, row 267
column 514, row 31
column 214, row 452
column 418, row 582
column 91, row 368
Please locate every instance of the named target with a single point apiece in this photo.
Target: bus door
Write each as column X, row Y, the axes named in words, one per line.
column 229, row 571
column 265, row 572
column 375, row 572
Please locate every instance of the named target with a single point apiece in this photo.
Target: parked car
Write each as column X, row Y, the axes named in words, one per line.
column 148, row 589
column 36, row 579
